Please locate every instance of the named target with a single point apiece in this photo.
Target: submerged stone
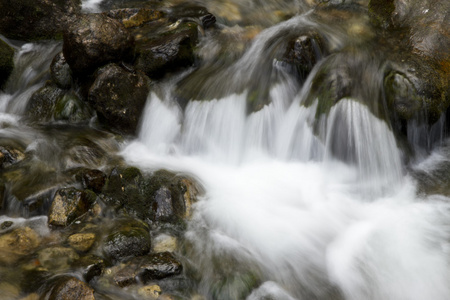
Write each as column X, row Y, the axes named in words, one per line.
column 93, row 179
column 17, row 244
column 158, row 266
column 82, row 242
column 90, row 266
column 57, row 258
column 43, row 102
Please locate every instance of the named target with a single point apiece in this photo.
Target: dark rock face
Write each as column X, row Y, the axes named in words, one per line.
column 35, row 19
column 119, row 97
column 128, row 238
column 67, row 205
column 304, row 52
column 93, row 40
column 10, row 155
column 60, row 71
column 162, row 206
column 6, row 61
column 170, row 52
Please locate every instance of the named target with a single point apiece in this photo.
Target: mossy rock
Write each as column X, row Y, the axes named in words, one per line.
column 70, row 108
column 42, row 103
column 6, row 62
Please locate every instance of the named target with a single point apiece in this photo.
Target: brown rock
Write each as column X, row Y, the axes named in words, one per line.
column 82, row 242
column 17, row 243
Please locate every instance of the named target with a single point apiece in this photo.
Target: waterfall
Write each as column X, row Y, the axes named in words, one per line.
column 318, row 208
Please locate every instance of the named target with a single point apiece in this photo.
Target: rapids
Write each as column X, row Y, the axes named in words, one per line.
column 300, row 206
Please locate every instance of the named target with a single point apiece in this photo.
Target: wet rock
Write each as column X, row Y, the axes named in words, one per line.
column 90, row 265
column 70, row 108
column 119, row 97
column 304, row 52
column 82, row 242
column 67, row 288
column 9, row 291
column 93, row 40
column 158, row 266
column 162, row 206
column 10, row 155
column 60, row 71
column 402, row 95
column 128, row 238
column 164, row 243
column 43, row 102
column 6, row 225
column 135, row 17
column 170, row 52
column 150, row 291
column 17, row 244
column 68, row 204
column 93, row 179
column 6, row 62
column 35, row 19
column 57, row 258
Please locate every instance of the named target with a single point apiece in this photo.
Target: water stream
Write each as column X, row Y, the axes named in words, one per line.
column 314, row 208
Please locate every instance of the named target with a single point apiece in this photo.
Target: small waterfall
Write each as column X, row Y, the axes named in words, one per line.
column 298, row 205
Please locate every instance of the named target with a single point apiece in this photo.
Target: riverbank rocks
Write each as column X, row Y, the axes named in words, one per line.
column 93, row 40
column 128, row 238
column 35, row 19
column 17, row 244
column 6, row 62
column 68, row 204
column 119, row 96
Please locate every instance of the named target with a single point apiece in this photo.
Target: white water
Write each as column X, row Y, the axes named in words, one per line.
column 280, row 203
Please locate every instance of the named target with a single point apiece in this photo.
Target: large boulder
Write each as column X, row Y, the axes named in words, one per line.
column 119, row 95
column 93, row 40
column 6, row 61
column 35, row 19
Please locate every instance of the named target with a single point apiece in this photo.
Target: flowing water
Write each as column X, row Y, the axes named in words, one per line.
column 296, row 206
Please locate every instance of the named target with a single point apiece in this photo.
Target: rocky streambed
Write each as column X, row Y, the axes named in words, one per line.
column 79, row 222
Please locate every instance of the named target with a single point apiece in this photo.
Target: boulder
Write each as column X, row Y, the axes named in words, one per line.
column 128, row 238
column 29, row 20
column 93, row 40
column 119, row 97
column 68, row 204
column 6, row 61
